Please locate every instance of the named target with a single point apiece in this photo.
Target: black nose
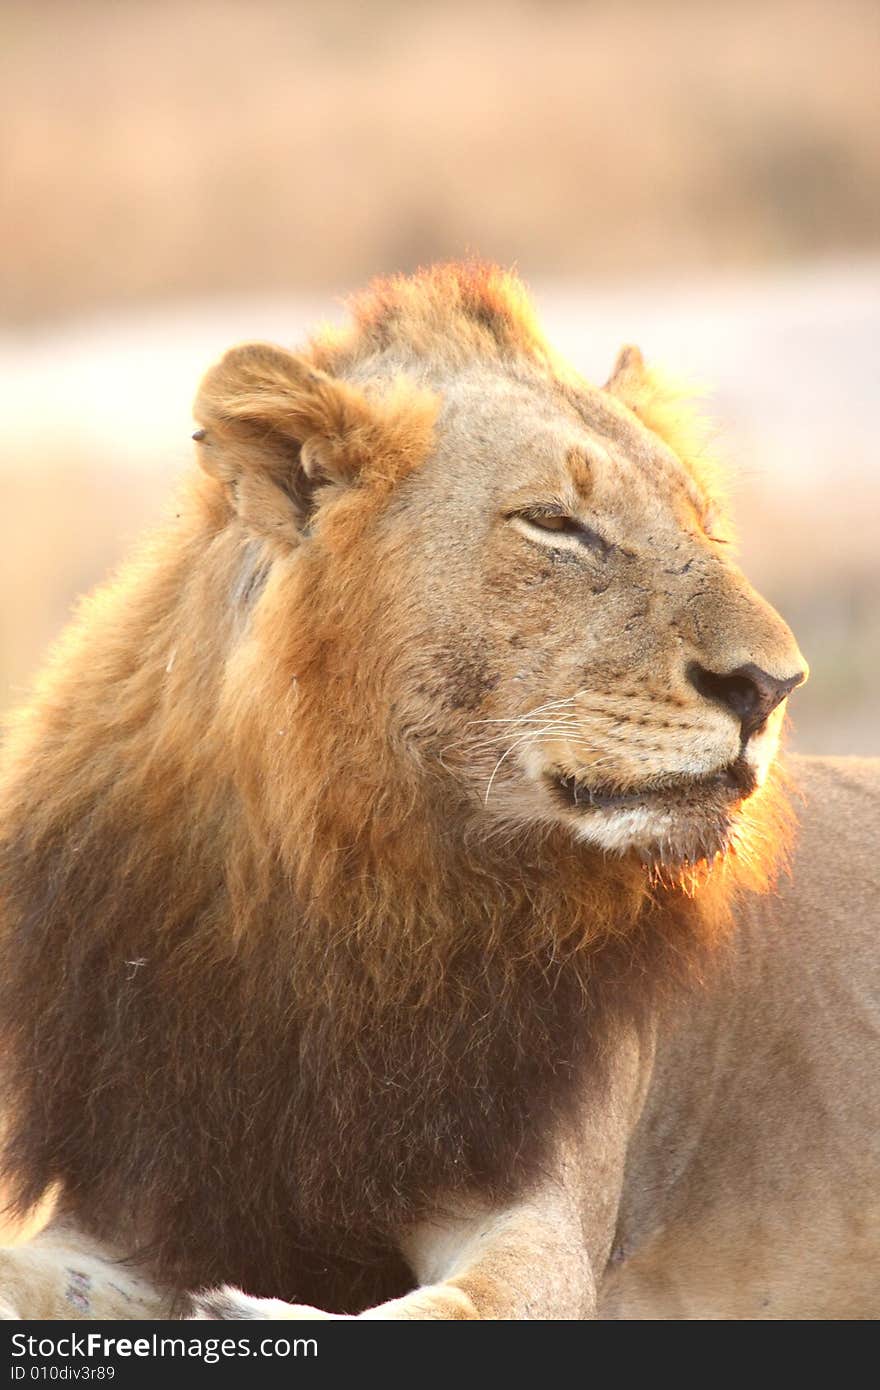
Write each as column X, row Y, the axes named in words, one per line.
column 748, row 692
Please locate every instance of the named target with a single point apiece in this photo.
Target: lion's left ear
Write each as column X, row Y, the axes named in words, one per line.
column 668, row 408
column 628, row 375
column 278, row 432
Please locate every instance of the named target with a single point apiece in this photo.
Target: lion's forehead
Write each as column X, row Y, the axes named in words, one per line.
column 500, row 433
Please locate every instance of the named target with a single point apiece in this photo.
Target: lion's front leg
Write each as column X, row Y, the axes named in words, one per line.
column 530, row 1261
column 63, row 1274
column 229, row 1304
column 540, row 1258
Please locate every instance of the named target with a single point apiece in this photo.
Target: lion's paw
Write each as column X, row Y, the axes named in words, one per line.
column 229, row 1304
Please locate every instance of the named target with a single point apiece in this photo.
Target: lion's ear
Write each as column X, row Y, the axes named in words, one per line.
column 277, row 430
column 628, row 375
column 668, row 408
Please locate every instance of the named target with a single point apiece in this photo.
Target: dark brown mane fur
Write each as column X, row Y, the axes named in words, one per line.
column 263, row 993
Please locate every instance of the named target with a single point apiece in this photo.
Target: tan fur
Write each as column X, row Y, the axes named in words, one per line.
column 295, row 914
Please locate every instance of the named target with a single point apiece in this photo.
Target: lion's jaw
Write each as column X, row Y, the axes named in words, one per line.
column 692, row 815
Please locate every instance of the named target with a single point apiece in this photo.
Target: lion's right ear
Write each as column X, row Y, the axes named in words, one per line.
column 629, row 375
column 276, row 431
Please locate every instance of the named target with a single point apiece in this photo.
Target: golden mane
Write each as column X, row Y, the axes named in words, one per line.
column 452, row 311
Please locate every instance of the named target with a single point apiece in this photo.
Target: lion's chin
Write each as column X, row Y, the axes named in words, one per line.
column 661, row 840
column 670, row 824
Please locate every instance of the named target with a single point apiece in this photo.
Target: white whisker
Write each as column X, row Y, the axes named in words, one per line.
column 560, row 730
column 538, row 709
column 525, row 738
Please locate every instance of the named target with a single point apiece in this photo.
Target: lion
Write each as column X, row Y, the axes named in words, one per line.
column 402, row 913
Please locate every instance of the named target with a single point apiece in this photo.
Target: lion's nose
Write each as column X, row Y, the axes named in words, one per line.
column 748, row 692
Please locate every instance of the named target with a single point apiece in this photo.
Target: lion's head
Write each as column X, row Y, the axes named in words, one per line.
column 522, row 583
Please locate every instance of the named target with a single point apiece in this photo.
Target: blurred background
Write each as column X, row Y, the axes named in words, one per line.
column 699, row 176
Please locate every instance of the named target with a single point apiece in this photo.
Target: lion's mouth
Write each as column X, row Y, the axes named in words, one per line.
column 732, row 783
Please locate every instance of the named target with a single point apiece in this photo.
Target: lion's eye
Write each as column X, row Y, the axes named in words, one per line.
column 549, row 521
column 561, row 524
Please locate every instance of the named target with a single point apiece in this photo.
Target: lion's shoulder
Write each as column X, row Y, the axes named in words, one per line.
column 824, row 920
column 838, row 806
